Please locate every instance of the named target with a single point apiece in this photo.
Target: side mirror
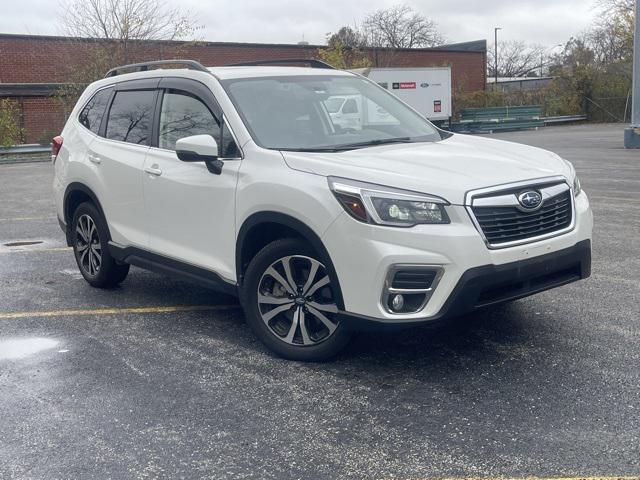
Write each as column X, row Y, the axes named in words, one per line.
column 200, row 148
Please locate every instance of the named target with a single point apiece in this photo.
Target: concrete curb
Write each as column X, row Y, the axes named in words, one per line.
column 632, row 137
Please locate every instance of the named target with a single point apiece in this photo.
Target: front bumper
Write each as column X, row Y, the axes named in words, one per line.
column 494, row 284
column 363, row 254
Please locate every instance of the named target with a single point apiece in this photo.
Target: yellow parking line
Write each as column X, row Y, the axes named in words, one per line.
column 532, row 478
column 25, row 219
column 526, row 478
column 116, row 311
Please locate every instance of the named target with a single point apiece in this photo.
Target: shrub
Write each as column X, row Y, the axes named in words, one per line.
column 555, row 99
column 10, row 131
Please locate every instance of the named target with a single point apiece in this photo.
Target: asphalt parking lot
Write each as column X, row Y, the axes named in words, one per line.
column 162, row 379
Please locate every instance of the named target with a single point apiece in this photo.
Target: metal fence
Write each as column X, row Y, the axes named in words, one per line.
column 25, row 153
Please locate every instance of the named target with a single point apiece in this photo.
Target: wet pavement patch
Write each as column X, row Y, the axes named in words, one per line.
column 23, row 244
column 30, row 244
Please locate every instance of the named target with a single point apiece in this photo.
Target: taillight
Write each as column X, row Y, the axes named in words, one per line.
column 56, row 145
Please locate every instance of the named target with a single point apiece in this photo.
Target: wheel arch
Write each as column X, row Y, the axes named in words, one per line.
column 75, row 194
column 262, row 228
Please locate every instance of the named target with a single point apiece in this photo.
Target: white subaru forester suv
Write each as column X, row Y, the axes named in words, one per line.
column 239, row 178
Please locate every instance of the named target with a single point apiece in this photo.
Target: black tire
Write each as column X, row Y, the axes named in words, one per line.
column 318, row 342
column 107, row 272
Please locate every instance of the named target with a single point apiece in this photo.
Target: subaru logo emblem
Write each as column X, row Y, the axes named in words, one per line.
column 530, row 199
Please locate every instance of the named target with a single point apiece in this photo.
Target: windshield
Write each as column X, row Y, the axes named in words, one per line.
column 324, row 113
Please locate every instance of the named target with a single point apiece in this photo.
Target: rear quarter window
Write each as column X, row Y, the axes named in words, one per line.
column 91, row 115
column 130, row 116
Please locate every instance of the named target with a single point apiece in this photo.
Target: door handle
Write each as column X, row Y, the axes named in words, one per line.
column 153, row 170
column 94, row 159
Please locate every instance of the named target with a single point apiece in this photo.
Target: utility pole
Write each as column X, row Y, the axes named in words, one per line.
column 632, row 134
column 495, row 58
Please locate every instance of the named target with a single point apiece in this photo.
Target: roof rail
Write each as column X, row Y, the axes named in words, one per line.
column 144, row 66
column 312, row 62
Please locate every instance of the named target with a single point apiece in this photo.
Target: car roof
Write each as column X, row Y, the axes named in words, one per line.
column 226, row 73
column 222, row 73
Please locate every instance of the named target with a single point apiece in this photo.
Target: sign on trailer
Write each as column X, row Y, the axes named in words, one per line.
column 427, row 90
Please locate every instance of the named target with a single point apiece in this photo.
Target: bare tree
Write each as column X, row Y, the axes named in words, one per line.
column 348, row 37
column 616, row 7
column 400, row 27
column 123, row 22
column 117, row 31
column 576, row 54
column 611, row 37
column 517, row 59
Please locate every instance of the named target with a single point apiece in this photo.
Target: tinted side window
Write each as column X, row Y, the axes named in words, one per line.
column 183, row 115
column 130, row 116
column 91, row 114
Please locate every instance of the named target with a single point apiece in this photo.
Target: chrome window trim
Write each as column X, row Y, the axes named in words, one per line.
column 387, row 290
column 469, row 204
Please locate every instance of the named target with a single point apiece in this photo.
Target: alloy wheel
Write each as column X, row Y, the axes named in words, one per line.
column 296, row 302
column 88, row 246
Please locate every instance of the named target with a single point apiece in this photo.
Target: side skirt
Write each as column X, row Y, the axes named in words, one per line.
column 172, row 268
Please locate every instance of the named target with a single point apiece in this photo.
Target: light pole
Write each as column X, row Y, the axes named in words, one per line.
column 495, row 58
column 551, row 49
column 632, row 134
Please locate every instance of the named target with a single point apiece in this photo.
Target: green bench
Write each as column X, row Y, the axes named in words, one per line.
column 492, row 119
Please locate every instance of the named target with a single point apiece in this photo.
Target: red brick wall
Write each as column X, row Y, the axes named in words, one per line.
column 42, row 119
column 32, row 59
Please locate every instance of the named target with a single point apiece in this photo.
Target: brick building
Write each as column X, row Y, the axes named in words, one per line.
column 33, row 67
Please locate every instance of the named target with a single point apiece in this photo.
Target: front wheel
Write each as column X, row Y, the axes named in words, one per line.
column 289, row 301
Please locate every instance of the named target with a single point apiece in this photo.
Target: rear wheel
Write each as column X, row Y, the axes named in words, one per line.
column 90, row 237
column 289, row 302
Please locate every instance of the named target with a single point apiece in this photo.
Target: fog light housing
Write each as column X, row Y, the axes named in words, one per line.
column 408, row 288
column 397, row 303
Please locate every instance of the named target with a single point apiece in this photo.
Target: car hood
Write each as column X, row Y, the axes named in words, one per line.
column 448, row 168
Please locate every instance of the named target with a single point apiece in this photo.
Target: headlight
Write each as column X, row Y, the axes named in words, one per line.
column 577, row 188
column 388, row 206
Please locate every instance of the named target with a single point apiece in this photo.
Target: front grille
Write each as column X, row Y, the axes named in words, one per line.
column 503, row 224
column 503, row 291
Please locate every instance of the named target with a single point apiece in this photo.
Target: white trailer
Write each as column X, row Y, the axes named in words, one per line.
column 427, row 90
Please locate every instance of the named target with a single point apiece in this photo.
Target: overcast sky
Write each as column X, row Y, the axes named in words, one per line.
column 547, row 22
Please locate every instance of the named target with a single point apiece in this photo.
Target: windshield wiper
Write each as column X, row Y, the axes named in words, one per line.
column 351, row 146
column 372, row 143
column 310, row 149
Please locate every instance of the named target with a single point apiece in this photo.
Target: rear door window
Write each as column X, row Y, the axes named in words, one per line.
column 130, row 116
column 91, row 115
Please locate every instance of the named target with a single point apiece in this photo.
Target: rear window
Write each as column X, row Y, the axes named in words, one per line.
column 91, row 115
column 130, row 116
